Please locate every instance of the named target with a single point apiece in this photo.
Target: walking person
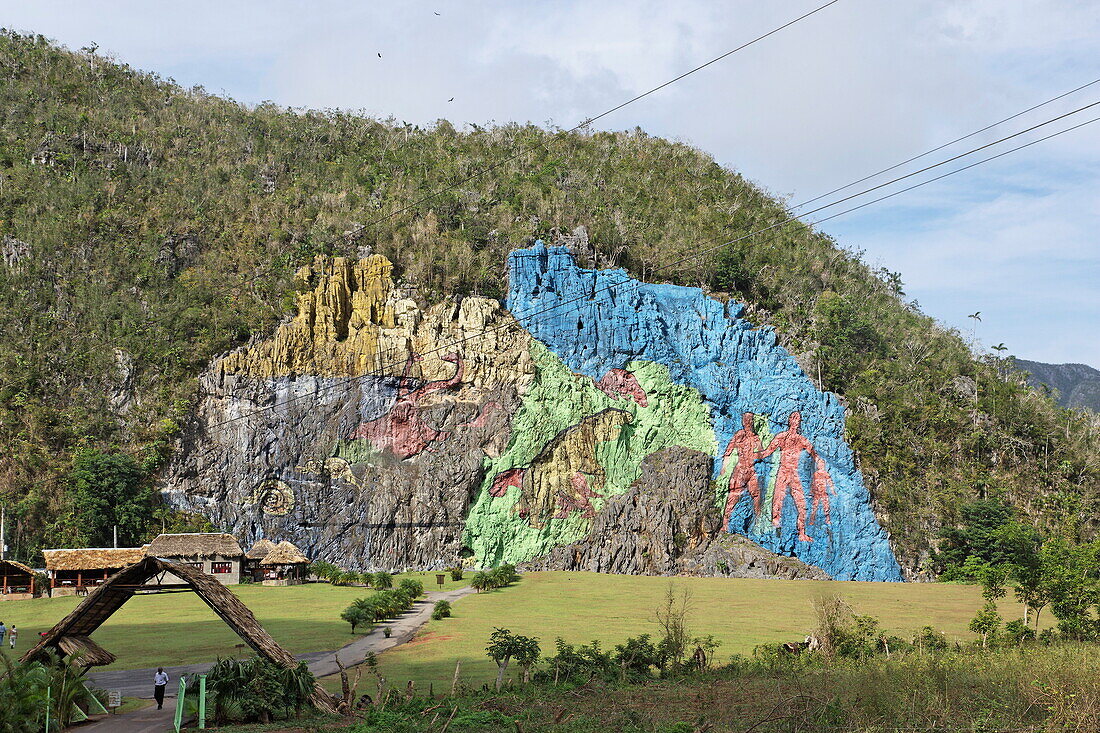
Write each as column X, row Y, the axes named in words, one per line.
column 11, row 635
column 160, row 681
column 3, row 632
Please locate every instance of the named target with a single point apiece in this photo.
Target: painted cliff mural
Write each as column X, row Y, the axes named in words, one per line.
column 590, row 421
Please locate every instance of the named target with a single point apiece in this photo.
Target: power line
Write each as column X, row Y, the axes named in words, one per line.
column 586, row 122
column 946, row 144
column 697, row 252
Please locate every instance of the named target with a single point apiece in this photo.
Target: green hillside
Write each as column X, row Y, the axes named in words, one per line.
column 146, row 228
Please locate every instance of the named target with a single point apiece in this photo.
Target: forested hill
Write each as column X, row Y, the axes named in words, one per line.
column 1073, row 385
column 147, row 228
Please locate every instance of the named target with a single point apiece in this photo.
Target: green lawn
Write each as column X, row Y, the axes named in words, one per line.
column 178, row 628
column 741, row 613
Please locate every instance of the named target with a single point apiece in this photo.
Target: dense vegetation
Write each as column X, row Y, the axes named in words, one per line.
column 146, row 228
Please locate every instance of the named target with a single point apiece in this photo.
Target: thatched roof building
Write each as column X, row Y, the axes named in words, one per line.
column 260, row 549
column 73, row 571
column 194, row 544
column 16, row 581
column 72, row 633
column 285, row 553
column 92, row 558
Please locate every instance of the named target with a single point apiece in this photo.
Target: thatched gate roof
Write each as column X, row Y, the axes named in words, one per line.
column 72, row 632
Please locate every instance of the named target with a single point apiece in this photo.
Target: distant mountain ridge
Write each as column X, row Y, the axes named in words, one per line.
column 1076, row 385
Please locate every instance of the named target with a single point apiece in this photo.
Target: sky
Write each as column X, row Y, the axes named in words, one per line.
column 857, row 87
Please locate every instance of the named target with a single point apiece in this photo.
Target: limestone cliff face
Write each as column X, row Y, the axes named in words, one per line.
column 360, row 428
column 596, row 422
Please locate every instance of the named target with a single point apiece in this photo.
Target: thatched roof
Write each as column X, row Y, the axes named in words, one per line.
column 260, row 549
column 72, row 632
column 92, row 558
column 285, row 554
column 16, row 566
column 196, row 544
column 86, row 650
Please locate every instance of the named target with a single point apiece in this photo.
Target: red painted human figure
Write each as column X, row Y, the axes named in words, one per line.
column 821, row 485
column 401, row 430
column 790, row 444
column 746, row 443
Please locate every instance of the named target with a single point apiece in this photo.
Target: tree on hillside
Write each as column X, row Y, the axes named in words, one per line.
column 108, row 490
column 504, row 646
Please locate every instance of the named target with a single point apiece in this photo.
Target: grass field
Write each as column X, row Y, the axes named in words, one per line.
column 741, row 613
column 178, row 628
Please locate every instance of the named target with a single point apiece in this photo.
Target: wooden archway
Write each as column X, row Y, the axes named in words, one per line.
column 73, row 633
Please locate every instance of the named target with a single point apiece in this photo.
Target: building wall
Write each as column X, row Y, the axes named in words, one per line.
column 206, row 564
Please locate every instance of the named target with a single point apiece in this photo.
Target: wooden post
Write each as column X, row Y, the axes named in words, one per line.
column 454, row 682
column 79, row 578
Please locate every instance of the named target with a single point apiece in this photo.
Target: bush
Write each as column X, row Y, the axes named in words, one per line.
column 255, row 690
column 411, row 587
column 442, row 610
column 324, row 570
column 356, row 616
column 381, row 580
column 456, row 572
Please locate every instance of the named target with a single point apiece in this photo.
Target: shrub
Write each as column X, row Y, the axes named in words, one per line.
column 382, row 580
column 324, row 570
column 411, row 587
column 456, row 572
column 482, row 581
column 442, row 610
column 356, row 616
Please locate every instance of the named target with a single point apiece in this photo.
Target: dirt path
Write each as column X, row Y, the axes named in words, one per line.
column 139, row 682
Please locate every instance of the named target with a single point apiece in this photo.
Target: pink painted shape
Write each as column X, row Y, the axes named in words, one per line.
column 821, row 485
column 401, row 431
column 621, row 383
column 791, row 444
column 505, row 480
column 579, row 500
column 746, row 444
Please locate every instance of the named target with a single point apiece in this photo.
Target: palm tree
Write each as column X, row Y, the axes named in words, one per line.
column 481, row 581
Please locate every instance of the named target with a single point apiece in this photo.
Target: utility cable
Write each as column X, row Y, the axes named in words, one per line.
column 697, row 253
column 947, row 144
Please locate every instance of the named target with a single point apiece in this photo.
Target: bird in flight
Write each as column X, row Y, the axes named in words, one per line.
column 435, row 12
column 451, row 99
column 379, row 55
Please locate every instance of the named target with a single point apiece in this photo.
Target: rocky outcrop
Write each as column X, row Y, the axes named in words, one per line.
column 592, row 422
column 788, row 480
column 286, row 443
column 667, row 524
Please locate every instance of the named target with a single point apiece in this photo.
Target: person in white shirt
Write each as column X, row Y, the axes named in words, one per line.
column 160, row 681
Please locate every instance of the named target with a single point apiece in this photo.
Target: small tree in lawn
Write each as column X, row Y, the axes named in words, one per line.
column 481, row 581
column 413, row 588
column 504, row 646
column 986, row 622
column 356, row 616
column 382, row 580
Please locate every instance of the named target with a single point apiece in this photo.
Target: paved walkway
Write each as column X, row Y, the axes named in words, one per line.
column 139, row 682
column 149, row 720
